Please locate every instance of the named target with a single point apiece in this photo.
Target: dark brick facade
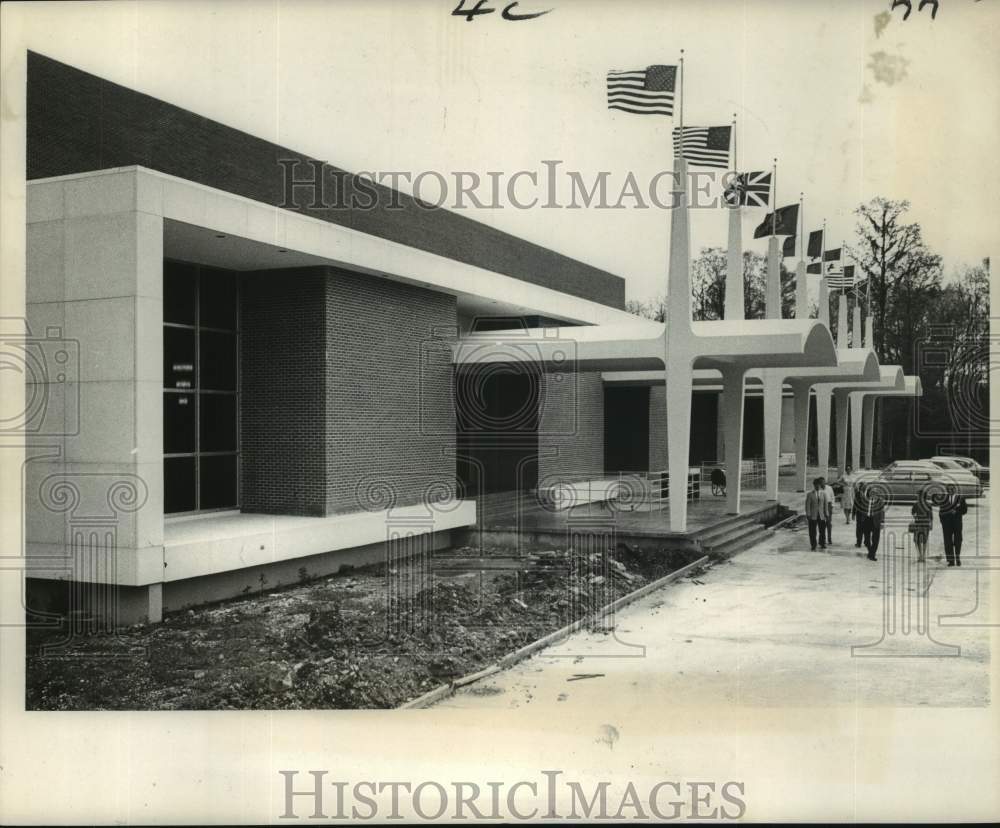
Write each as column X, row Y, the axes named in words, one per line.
column 571, row 427
column 282, row 439
column 347, row 400
column 77, row 122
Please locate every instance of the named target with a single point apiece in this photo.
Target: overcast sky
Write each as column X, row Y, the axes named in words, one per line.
column 407, row 86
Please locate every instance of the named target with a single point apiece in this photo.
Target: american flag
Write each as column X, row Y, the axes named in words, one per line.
column 648, row 91
column 704, row 146
column 749, row 190
column 842, row 279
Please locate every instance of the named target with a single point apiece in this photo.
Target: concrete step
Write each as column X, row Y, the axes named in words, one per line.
column 729, row 533
column 733, row 545
column 726, row 526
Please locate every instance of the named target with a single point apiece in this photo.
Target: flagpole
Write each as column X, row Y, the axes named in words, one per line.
column 774, row 195
column 802, row 220
column 681, row 96
column 736, row 159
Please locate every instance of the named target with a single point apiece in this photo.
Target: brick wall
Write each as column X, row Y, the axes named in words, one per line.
column 347, row 400
column 390, row 410
column 78, row 122
column 572, row 424
column 283, row 464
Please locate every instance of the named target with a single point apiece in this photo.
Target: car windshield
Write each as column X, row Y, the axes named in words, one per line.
column 949, row 464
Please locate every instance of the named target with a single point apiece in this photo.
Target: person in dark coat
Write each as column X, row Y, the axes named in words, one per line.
column 857, row 497
column 871, row 509
column 950, row 514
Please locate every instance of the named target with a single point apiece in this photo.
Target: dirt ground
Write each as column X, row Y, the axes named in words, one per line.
column 333, row 643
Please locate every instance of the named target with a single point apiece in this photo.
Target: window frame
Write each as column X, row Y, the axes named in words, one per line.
column 196, row 391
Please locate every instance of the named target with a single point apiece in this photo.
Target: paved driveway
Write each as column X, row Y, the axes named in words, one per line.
column 779, row 625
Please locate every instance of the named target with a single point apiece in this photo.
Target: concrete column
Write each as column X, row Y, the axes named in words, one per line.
column 870, row 332
column 801, row 291
column 823, row 427
column 679, row 377
column 773, row 382
column 678, row 359
column 735, row 308
column 720, row 442
column 732, row 419
column 843, row 337
column 857, row 403
column 856, row 328
column 868, row 420
column 801, row 392
column 94, row 507
column 824, row 302
column 772, row 294
column 679, row 276
column 840, row 398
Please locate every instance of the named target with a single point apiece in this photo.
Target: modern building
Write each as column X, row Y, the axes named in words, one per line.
column 256, row 368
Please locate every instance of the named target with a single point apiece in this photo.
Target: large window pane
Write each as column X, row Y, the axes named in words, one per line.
column 218, row 361
column 178, row 423
column 218, row 422
column 178, row 358
column 218, row 299
column 218, row 481
column 179, row 284
column 178, row 484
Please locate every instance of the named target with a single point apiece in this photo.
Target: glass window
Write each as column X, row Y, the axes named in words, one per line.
column 178, row 358
column 218, row 361
column 178, row 424
column 218, row 422
column 218, row 299
column 218, row 481
column 201, row 388
column 179, row 287
column 178, row 484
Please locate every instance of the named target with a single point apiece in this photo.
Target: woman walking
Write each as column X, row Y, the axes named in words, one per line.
column 921, row 524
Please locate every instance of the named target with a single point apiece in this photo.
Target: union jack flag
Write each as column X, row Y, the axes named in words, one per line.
column 751, row 189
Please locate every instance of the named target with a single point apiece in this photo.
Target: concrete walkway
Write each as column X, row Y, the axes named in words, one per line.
column 779, row 625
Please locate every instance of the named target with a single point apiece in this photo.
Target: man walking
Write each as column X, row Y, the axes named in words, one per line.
column 857, row 500
column 869, row 506
column 831, row 500
column 950, row 515
column 816, row 514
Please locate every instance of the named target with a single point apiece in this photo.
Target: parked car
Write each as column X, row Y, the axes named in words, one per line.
column 922, row 472
column 902, row 481
column 980, row 471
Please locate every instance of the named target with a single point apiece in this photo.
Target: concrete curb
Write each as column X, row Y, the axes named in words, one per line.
column 444, row 690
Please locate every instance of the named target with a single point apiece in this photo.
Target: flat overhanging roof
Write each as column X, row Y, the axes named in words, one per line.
column 912, row 387
column 854, row 365
column 890, row 379
column 209, row 226
column 640, row 345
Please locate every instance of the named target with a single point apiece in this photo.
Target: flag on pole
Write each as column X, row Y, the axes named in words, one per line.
column 840, row 278
column 815, row 245
column 749, row 190
column 832, row 255
column 648, row 91
column 788, row 248
column 782, row 222
column 704, row 146
column 815, row 267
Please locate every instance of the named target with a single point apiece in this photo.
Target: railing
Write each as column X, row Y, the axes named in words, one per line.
column 624, row 491
column 751, row 472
